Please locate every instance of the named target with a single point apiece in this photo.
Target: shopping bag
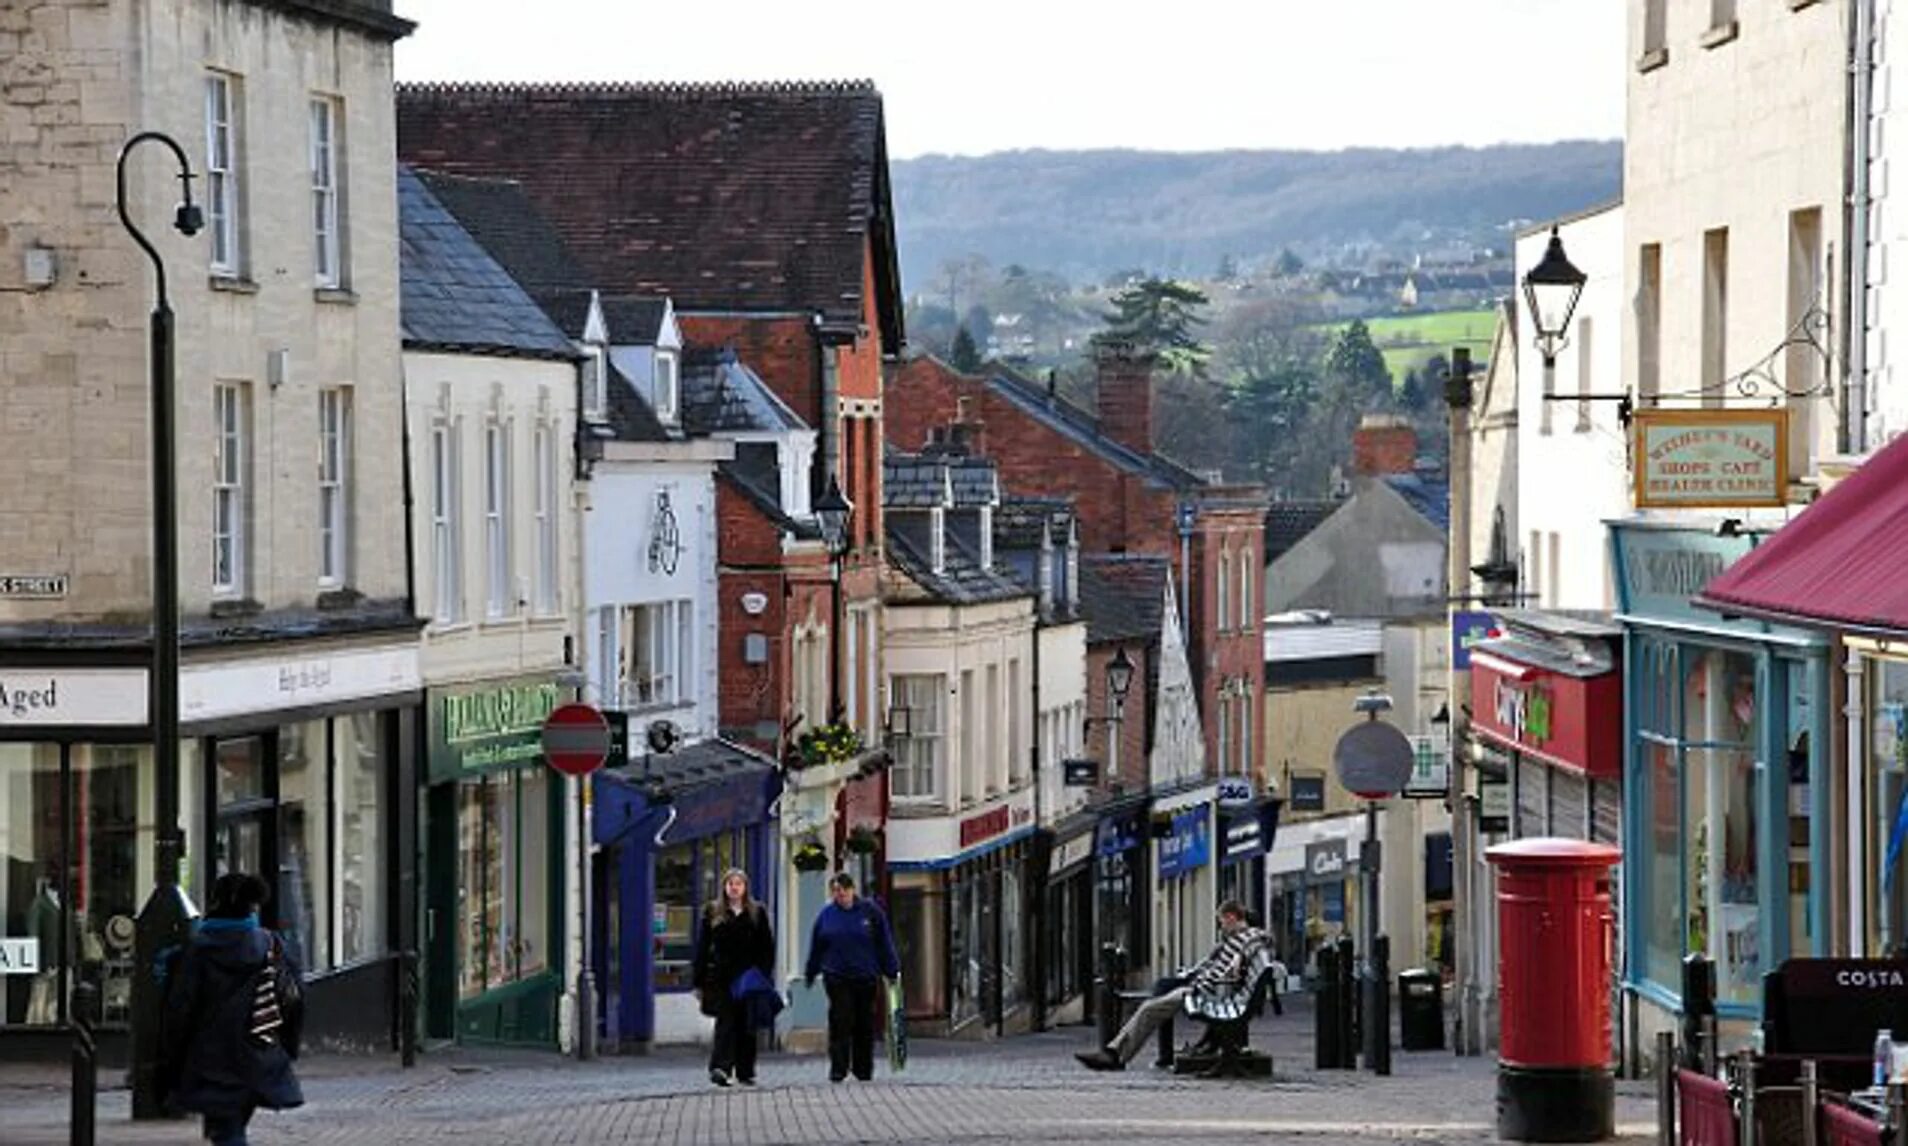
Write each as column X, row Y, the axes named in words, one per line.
column 897, row 1027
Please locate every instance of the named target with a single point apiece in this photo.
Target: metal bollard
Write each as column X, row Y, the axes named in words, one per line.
column 1109, row 1008
column 1666, row 1088
column 1347, row 1004
column 1325, row 1017
column 1746, row 1078
column 1163, row 1057
column 407, row 1009
column 1378, row 1039
column 1811, row 1103
column 1898, row 1113
column 85, row 1067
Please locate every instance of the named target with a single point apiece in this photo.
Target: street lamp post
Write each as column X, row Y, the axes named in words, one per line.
column 834, row 511
column 166, row 916
column 1119, row 678
column 1551, row 291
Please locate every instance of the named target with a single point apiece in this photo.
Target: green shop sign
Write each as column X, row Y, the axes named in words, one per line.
column 483, row 729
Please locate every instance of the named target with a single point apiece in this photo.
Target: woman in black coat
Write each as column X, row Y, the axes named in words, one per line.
column 736, row 936
column 234, row 1008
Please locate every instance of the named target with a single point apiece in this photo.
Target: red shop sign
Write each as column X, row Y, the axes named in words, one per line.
column 976, row 829
column 1576, row 722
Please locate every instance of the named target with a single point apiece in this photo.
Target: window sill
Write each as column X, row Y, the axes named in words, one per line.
column 1798, row 5
column 232, row 284
column 336, row 296
column 450, row 626
column 338, row 596
column 1651, row 60
column 233, row 605
column 1721, row 34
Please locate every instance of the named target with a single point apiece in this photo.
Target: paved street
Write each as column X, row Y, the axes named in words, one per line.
column 1025, row 1089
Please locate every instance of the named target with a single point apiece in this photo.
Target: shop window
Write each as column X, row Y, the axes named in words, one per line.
column 689, row 875
column 304, row 918
column 1887, row 797
column 918, row 916
column 362, row 766
column 1013, row 968
column 504, row 878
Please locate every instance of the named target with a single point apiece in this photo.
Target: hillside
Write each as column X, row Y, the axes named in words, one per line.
column 1087, row 214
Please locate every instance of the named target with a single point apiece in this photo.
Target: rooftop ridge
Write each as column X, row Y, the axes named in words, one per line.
column 651, row 88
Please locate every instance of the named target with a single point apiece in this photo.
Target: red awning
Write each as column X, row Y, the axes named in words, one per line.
column 1840, row 562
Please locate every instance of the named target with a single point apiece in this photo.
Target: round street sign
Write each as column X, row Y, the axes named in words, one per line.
column 576, row 739
column 1373, row 760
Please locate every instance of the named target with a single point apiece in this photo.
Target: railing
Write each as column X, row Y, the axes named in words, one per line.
column 1695, row 1108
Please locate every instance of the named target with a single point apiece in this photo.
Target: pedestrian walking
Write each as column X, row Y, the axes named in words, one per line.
column 737, row 939
column 852, row 949
column 234, row 1013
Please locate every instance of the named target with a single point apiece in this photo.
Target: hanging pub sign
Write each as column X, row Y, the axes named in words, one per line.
column 1721, row 459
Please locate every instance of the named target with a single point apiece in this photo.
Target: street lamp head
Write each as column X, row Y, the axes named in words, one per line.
column 188, row 220
column 1119, row 675
column 1551, row 290
column 833, row 511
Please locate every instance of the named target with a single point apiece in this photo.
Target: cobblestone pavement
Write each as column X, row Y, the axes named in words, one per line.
column 1026, row 1089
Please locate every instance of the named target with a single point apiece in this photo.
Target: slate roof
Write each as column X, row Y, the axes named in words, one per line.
column 750, row 197
column 704, row 762
column 503, row 215
column 760, row 490
column 629, row 417
column 975, row 480
column 453, row 295
column 1019, row 522
column 1289, row 522
column 722, row 395
column 1431, row 499
column 634, row 321
column 909, row 481
column 961, row 581
column 1123, row 596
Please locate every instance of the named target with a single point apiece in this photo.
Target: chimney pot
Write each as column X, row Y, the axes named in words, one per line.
column 1384, row 444
column 1125, row 375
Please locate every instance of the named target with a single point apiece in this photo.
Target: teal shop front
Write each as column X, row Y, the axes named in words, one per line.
column 494, row 884
column 1725, row 761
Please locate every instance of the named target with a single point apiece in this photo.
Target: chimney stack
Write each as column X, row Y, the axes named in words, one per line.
column 1384, row 444
column 1125, row 374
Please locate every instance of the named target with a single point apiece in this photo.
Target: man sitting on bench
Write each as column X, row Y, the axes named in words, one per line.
column 1223, row 970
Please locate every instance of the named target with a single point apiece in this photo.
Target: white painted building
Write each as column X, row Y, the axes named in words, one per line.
column 1185, row 877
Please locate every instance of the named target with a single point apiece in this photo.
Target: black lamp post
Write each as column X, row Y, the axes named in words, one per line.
column 1551, row 290
column 165, row 919
column 834, row 511
column 1119, row 678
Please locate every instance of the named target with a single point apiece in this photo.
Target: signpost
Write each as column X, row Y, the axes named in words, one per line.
column 1374, row 760
column 1712, row 458
column 576, row 739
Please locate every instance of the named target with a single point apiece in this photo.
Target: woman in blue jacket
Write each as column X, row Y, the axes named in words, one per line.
column 852, row 948
column 234, row 1009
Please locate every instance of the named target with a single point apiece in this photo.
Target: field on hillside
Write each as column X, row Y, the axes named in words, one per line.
column 1408, row 339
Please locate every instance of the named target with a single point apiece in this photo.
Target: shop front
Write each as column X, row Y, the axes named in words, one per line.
column 666, row 830
column 1548, row 692
column 1066, row 938
column 1122, row 887
column 495, row 870
column 1313, row 886
column 1726, row 737
column 1185, row 878
column 1246, row 831
column 960, row 904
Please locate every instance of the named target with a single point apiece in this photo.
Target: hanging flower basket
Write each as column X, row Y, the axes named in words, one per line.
column 863, row 841
column 828, row 744
column 810, row 856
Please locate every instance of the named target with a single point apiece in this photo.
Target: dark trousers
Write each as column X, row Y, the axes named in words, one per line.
column 851, row 1028
column 735, row 1042
column 227, row 1129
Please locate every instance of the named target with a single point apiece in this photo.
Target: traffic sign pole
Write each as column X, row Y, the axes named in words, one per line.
column 576, row 741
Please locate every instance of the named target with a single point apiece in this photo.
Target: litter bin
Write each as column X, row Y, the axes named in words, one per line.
column 1421, row 1009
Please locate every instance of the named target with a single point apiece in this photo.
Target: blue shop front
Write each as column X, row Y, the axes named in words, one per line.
column 665, row 830
column 1726, row 757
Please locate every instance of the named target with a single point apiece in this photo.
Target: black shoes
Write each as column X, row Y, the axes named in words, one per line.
column 1102, row 1059
column 749, row 1081
column 720, row 1078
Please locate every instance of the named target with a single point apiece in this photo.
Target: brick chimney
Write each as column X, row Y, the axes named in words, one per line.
column 967, row 430
column 1125, row 374
column 1384, row 444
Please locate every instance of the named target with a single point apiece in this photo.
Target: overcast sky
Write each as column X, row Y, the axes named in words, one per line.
column 994, row 75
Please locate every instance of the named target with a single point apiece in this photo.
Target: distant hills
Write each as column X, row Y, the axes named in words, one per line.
column 1089, row 214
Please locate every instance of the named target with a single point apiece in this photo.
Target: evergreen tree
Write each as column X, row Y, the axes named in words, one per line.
column 1356, row 364
column 1288, row 264
column 1159, row 315
column 964, row 355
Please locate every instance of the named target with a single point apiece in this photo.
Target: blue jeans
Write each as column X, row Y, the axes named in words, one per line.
column 228, row 1129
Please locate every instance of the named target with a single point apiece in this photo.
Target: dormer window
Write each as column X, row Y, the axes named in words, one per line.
column 595, row 395
column 666, row 386
column 987, row 536
column 937, row 539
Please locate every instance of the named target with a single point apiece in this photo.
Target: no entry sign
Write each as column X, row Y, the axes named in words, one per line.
column 576, row 739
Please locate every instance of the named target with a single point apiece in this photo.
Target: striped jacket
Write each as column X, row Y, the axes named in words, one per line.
column 1222, row 983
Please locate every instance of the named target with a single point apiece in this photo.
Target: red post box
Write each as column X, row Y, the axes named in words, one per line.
column 1555, row 935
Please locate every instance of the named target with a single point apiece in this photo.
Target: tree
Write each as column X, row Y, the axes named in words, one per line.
column 1159, row 315
column 1357, row 364
column 1287, row 264
column 965, row 356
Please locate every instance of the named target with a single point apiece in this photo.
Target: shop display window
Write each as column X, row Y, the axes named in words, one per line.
column 504, row 875
column 689, row 875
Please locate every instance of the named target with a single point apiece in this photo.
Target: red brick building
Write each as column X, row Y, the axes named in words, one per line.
column 1129, row 499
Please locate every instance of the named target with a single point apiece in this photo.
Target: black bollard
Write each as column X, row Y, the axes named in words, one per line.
column 1325, row 1017
column 85, row 1067
column 1379, row 1039
column 1347, row 1004
column 1699, row 1012
column 407, row 1009
column 1112, row 972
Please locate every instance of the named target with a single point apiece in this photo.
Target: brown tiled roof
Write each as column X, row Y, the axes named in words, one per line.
column 738, row 197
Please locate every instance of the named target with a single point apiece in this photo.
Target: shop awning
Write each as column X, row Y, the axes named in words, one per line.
column 1838, row 564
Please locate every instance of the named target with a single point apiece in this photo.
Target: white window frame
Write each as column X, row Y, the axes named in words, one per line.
column 327, row 244
column 918, row 771
column 668, row 386
column 1225, row 733
column 230, row 463
column 1247, row 766
column 447, row 554
column 334, row 486
column 594, row 383
column 987, row 536
column 222, row 173
column 1245, row 606
column 658, row 655
column 937, row 539
column 1225, row 590
column 544, row 449
column 498, row 598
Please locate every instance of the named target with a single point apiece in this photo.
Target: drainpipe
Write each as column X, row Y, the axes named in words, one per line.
column 1036, row 934
column 1857, row 156
column 1856, row 827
